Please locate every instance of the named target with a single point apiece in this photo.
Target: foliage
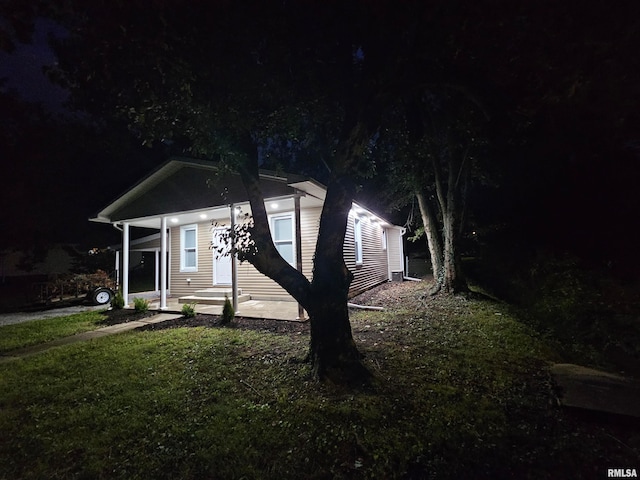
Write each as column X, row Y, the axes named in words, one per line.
column 462, row 391
column 140, row 305
column 227, row 312
column 582, row 310
column 118, row 301
column 236, row 241
column 189, row 310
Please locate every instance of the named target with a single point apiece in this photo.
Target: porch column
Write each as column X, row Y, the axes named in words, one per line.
column 125, row 263
column 156, row 282
column 296, row 206
column 234, row 267
column 163, row 263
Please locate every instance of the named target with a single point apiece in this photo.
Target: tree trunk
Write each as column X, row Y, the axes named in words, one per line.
column 332, row 350
column 452, row 280
column 434, row 241
column 333, row 353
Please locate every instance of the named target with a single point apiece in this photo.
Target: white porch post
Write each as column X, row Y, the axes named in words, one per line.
column 156, row 277
column 163, row 263
column 296, row 206
column 125, row 263
column 234, row 267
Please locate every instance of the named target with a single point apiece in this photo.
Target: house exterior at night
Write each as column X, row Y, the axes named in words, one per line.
column 192, row 202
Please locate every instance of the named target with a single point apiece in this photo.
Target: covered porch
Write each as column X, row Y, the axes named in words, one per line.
column 276, row 310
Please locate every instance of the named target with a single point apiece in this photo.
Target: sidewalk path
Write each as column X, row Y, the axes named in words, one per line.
column 590, row 389
column 81, row 337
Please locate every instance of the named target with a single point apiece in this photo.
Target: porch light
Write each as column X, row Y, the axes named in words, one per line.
column 203, row 216
column 174, row 220
column 274, row 205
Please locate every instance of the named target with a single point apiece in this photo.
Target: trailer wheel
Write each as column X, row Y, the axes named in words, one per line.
column 101, row 296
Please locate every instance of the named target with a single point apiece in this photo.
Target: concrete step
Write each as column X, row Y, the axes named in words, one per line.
column 209, row 300
column 216, row 292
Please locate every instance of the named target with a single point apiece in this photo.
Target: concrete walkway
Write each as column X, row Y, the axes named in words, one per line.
column 275, row 310
column 590, row 389
column 82, row 337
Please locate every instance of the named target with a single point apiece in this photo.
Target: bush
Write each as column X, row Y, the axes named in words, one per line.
column 227, row 312
column 118, row 301
column 189, row 310
column 141, row 305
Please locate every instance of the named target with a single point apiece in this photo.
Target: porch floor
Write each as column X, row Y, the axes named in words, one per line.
column 249, row 309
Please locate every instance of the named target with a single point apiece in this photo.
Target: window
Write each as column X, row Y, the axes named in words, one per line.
column 357, row 239
column 282, row 232
column 189, row 248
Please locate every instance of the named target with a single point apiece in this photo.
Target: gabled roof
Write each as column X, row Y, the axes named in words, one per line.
column 198, row 189
column 183, row 184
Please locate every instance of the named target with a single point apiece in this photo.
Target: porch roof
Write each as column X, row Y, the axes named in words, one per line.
column 196, row 188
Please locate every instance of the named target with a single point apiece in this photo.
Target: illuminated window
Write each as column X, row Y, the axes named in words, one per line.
column 282, row 232
column 189, row 248
column 357, row 238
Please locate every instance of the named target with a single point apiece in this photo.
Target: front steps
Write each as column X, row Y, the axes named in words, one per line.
column 213, row 296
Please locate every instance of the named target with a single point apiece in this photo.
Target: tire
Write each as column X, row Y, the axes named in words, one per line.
column 101, row 296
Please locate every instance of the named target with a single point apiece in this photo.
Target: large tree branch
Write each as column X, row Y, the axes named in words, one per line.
column 266, row 258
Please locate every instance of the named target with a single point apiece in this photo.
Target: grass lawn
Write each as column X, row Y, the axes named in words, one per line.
column 35, row 332
column 462, row 391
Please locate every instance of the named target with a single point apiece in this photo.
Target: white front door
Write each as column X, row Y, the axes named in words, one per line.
column 221, row 258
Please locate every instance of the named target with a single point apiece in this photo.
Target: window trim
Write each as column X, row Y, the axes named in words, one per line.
column 183, row 248
column 357, row 240
column 289, row 215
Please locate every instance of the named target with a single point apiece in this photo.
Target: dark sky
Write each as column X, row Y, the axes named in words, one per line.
column 577, row 188
column 58, row 172
column 23, row 68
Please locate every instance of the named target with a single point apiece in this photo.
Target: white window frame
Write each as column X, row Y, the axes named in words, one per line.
column 272, row 219
column 183, row 248
column 357, row 239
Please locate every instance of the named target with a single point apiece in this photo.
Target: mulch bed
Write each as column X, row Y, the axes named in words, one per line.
column 124, row 315
column 211, row 321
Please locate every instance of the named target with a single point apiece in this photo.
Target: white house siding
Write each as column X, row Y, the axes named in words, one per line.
column 201, row 279
column 309, row 225
column 374, row 269
column 261, row 287
column 250, row 280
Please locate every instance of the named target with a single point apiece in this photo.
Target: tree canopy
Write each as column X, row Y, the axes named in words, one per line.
column 318, row 86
